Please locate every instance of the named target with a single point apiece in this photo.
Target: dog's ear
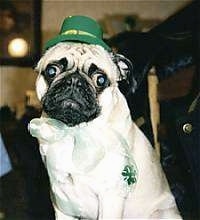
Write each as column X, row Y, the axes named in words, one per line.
column 126, row 77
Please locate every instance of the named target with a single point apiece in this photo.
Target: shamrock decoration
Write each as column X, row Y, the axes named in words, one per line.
column 129, row 174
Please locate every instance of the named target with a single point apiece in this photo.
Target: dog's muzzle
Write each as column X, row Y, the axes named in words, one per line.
column 71, row 100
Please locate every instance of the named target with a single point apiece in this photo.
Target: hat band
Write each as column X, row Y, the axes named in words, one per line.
column 77, row 32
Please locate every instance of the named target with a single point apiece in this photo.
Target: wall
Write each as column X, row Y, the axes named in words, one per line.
column 54, row 12
column 15, row 81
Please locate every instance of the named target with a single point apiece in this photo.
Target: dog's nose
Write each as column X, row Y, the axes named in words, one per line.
column 74, row 80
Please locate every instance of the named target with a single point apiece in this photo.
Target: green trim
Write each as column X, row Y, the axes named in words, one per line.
column 76, row 38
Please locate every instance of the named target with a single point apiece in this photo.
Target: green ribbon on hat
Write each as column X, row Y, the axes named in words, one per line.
column 78, row 32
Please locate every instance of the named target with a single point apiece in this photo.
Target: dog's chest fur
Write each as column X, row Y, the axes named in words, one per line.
column 80, row 171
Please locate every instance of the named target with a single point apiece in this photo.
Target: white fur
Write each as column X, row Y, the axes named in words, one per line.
column 100, row 191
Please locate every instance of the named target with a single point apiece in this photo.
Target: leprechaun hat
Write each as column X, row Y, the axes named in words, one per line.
column 79, row 29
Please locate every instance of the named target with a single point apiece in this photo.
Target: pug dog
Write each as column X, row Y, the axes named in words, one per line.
column 100, row 164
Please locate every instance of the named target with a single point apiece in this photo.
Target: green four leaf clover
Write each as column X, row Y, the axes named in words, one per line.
column 129, row 174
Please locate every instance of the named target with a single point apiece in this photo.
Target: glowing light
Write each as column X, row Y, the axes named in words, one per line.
column 18, row 47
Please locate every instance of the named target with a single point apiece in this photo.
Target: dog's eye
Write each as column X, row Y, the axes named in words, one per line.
column 52, row 70
column 101, row 80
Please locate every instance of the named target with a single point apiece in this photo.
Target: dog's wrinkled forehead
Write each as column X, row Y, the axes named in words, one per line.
column 80, row 57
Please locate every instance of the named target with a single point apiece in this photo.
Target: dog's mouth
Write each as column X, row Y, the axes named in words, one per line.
column 71, row 105
column 71, row 112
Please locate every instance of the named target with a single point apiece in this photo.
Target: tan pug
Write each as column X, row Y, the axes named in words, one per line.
column 101, row 166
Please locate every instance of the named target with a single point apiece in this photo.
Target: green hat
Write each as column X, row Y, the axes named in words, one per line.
column 79, row 29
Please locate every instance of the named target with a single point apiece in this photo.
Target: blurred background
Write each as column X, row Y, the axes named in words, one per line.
column 160, row 37
column 52, row 15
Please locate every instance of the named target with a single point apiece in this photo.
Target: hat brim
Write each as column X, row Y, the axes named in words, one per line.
column 76, row 38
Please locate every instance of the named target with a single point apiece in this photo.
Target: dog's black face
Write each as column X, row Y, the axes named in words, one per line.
column 73, row 97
